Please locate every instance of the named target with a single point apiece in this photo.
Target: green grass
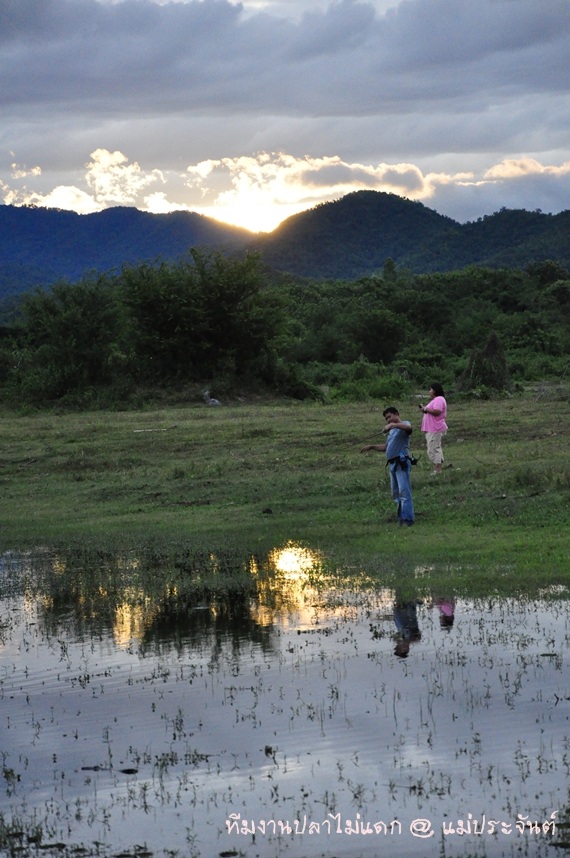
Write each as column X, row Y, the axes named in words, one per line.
column 251, row 477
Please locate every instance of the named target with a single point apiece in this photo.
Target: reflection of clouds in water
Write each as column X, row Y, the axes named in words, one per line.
column 421, row 571
column 553, row 590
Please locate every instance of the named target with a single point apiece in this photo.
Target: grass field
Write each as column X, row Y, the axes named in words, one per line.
column 251, row 476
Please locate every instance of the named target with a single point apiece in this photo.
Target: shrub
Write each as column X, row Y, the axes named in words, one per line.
column 487, row 368
column 370, row 381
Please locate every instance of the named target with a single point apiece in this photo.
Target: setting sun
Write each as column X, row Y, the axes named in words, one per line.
column 250, row 213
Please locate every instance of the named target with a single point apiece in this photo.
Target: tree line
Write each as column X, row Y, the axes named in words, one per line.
column 225, row 322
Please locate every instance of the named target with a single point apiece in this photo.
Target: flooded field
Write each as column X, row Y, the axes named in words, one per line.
column 287, row 717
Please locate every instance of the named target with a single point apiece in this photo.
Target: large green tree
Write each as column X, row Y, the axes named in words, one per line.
column 70, row 338
column 206, row 316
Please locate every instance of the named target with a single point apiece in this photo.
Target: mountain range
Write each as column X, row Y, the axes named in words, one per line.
column 39, row 246
column 345, row 239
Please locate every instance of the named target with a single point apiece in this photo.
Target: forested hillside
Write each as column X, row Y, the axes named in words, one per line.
column 40, row 246
column 352, row 237
column 222, row 323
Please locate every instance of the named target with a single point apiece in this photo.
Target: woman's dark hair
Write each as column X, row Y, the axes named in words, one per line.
column 437, row 388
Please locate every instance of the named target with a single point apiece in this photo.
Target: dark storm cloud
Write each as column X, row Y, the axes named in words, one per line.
column 137, row 56
column 335, row 174
column 407, row 178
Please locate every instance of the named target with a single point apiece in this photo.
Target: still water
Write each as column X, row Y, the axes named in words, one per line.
column 293, row 718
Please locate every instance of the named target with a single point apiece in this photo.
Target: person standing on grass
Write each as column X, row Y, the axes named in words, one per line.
column 434, row 425
column 397, row 449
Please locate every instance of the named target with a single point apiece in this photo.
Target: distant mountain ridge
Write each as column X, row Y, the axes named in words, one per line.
column 40, row 246
column 345, row 239
column 353, row 236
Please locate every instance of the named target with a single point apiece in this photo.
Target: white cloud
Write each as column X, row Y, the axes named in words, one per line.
column 61, row 197
column 512, row 168
column 296, row 9
column 158, row 203
column 258, row 192
column 20, row 172
column 116, row 182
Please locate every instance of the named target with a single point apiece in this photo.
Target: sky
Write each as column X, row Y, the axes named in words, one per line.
column 252, row 112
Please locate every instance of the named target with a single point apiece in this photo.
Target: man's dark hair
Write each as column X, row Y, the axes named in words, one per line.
column 390, row 410
column 437, row 388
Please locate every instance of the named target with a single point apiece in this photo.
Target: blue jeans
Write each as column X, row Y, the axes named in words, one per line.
column 402, row 490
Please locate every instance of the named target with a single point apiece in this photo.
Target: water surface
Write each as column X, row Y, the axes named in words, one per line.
column 288, row 718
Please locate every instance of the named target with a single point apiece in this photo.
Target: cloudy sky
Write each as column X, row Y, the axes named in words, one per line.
column 250, row 112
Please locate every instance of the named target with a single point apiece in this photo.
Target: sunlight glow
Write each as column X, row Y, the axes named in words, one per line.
column 248, row 213
column 294, row 561
column 254, row 192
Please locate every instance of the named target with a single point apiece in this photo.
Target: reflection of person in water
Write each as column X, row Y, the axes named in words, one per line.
column 446, row 606
column 406, row 620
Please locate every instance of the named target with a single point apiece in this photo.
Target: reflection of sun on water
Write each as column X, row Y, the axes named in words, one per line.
column 287, row 589
column 302, row 592
column 59, row 566
column 294, row 561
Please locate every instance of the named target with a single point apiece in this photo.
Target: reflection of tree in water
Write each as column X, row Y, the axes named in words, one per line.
column 216, row 620
column 273, row 587
column 163, row 603
column 217, row 603
column 89, row 595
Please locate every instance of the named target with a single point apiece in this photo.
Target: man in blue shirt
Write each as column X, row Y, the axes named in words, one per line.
column 397, row 449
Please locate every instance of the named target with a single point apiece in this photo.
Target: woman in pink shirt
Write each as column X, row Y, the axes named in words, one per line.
column 434, row 425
